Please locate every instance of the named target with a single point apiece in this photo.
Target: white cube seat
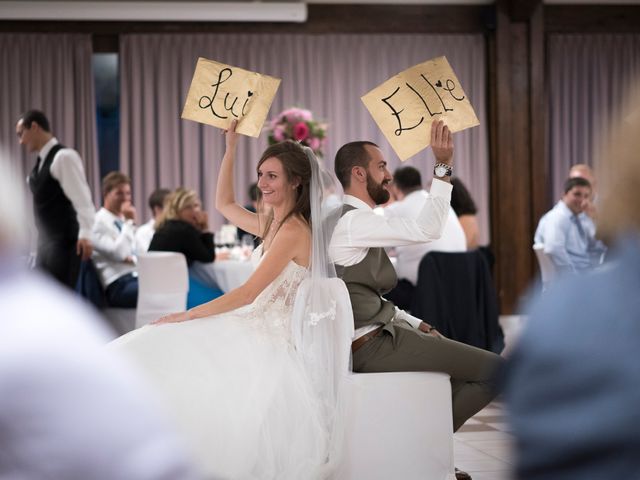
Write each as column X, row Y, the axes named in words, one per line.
column 399, row 426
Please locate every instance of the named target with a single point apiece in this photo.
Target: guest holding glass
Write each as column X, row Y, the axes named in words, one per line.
column 184, row 227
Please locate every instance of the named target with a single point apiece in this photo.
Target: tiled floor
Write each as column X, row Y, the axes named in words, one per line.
column 483, row 446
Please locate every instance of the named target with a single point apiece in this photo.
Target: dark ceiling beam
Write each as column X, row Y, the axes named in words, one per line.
column 396, row 19
column 592, row 18
column 321, row 19
column 522, row 10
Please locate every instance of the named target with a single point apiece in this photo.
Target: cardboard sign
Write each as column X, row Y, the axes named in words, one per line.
column 405, row 105
column 221, row 93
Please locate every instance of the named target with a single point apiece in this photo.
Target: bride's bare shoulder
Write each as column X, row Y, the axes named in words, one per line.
column 297, row 225
column 296, row 233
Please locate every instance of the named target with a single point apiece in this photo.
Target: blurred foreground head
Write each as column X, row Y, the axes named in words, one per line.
column 620, row 176
column 573, row 381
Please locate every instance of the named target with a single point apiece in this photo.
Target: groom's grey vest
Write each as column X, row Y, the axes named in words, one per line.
column 367, row 281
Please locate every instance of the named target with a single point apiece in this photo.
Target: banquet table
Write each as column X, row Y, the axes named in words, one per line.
column 231, row 274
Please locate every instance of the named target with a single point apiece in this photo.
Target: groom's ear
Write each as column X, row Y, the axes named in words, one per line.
column 359, row 174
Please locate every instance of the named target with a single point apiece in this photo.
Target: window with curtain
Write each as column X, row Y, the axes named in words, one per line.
column 105, row 74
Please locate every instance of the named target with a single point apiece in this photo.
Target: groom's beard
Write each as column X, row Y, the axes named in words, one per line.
column 376, row 191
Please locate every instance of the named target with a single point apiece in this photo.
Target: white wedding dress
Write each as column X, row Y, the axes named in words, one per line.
column 236, row 387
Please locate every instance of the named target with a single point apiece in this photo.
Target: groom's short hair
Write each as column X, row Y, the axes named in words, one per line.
column 353, row 154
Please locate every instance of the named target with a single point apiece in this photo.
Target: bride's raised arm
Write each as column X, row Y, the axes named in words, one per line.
column 286, row 246
column 225, row 197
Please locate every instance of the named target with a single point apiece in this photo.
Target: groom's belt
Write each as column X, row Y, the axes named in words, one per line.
column 360, row 341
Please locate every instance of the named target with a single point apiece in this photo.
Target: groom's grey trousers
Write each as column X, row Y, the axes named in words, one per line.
column 400, row 347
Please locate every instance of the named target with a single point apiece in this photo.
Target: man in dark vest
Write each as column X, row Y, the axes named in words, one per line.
column 62, row 202
column 386, row 338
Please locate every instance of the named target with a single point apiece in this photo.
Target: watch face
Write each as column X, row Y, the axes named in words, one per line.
column 440, row 171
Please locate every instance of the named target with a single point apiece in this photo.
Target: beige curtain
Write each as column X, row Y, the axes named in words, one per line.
column 589, row 79
column 52, row 73
column 324, row 73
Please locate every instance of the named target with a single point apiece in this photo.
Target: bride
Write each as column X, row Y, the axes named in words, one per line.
column 227, row 370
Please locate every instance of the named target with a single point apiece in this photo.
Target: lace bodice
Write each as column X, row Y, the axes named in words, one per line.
column 274, row 306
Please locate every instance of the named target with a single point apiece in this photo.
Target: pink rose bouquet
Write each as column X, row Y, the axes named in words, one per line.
column 298, row 124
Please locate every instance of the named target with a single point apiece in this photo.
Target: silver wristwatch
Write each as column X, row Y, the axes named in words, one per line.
column 442, row 170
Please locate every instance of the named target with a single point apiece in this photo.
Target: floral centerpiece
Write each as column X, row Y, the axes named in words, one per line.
column 298, row 124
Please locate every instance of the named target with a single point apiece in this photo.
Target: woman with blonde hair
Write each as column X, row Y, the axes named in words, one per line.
column 183, row 227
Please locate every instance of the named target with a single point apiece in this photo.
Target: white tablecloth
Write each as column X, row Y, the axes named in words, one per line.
column 231, row 274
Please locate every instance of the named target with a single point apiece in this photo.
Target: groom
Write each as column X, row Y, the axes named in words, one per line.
column 386, row 338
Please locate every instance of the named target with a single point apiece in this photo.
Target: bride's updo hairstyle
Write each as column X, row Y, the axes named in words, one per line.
column 295, row 164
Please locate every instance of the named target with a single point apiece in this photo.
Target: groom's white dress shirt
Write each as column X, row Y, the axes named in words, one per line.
column 360, row 229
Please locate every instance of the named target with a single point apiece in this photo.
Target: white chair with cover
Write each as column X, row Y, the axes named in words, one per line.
column 399, row 425
column 396, row 425
column 163, row 284
column 547, row 267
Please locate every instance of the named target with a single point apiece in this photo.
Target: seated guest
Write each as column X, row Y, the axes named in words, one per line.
column 567, row 232
column 114, row 241
column 184, row 227
column 410, row 198
column 465, row 208
column 145, row 232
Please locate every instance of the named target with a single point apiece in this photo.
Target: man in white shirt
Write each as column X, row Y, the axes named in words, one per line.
column 410, row 198
column 145, row 232
column 387, row 338
column 115, row 243
column 62, row 203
